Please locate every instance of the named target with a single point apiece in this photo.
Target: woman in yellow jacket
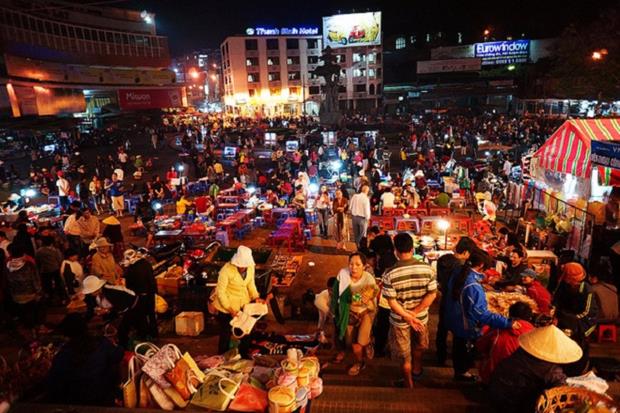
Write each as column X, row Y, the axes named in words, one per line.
column 235, row 288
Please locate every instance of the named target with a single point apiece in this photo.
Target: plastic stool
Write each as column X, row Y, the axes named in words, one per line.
column 603, row 329
column 259, row 221
column 54, row 200
column 222, row 236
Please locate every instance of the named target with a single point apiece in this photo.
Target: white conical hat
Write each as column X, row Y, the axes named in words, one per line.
column 550, row 344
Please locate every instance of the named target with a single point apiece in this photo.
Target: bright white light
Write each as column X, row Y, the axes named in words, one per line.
column 336, row 165
column 157, row 206
column 180, row 168
column 487, row 153
column 175, row 70
column 30, row 193
column 251, row 189
column 313, row 188
column 443, row 225
column 147, row 17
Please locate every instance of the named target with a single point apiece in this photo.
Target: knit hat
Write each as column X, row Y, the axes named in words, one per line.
column 550, row 344
column 573, row 273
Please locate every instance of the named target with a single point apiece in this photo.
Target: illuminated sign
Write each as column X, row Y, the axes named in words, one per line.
column 357, row 29
column 283, row 31
column 503, row 53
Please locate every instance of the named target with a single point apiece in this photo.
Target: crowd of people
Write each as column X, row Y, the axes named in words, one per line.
column 378, row 305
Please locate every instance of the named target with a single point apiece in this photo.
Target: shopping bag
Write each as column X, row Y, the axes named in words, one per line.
column 158, row 395
column 144, row 397
column 243, row 323
column 158, row 364
column 249, row 399
column 176, row 398
column 183, row 379
column 217, row 391
column 130, row 387
column 192, row 364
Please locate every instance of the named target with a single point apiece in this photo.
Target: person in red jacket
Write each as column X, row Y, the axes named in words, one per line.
column 536, row 291
column 495, row 344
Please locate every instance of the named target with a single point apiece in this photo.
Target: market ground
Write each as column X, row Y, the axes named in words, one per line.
column 372, row 390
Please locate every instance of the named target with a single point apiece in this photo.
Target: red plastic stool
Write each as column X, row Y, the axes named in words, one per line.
column 603, row 329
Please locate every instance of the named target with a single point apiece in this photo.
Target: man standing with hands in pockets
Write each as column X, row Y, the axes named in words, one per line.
column 410, row 288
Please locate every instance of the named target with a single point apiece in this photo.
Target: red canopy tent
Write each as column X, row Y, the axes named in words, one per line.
column 568, row 149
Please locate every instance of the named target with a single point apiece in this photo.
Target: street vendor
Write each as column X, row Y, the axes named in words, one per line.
column 515, row 266
column 520, row 379
column 235, row 288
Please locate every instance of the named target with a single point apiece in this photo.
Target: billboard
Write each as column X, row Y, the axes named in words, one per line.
column 605, row 154
column 503, row 53
column 150, row 98
column 357, row 29
column 449, row 65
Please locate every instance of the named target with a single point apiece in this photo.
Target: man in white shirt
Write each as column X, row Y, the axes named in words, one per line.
column 360, row 213
column 123, row 157
column 387, row 199
column 63, row 190
column 73, row 232
column 89, row 227
column 507, row 167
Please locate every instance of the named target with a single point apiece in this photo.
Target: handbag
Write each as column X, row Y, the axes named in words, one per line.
column 130, row 387
column 200, row 376
column 249, row 399
column 217, row 391
column 159, row 363
column 243, row 323
column 162, row 400
column 183, row 379
column 144, row 397
column 176, row 397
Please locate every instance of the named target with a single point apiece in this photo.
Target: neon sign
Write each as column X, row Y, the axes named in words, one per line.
column 283, row 31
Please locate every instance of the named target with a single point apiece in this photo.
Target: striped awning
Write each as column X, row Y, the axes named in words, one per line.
column 568, row 149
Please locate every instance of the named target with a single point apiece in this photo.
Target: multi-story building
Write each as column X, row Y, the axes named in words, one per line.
column 201, row 71
column 269, row 72
column 63, row 57
column 356, row 42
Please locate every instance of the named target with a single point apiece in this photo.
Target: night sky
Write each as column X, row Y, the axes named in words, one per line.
column 195, row 24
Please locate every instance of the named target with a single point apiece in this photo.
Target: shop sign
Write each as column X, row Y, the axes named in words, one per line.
column 149, row 98
column 605, row 154
column 356, row 29
column 503, row 53
column 283, row 31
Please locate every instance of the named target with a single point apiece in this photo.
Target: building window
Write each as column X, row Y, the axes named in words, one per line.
column 341, row 58
column 359, row 72
column 372, row 89
column 274, row 91
column 252, row 92
column 314, row 90
column 272, row 44
column 342, row 89
column 412, row 39
column 313, row 43
column 250, row 44
column 274, row 76
column 371, row 73
column 293, row 91
column 360, row 88
column 251, row 61
column 273, row 61
column 292, row 60
column 292, row 44
column 312, row 60
column 379, row 73
column 313, row 76
column 253, row 77
column 378, row 55
column 358, row 57
column 400, row 43
column 372, row 57
column 294, row 76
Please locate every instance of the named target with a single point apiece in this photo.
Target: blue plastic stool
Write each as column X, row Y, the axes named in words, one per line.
column 222, row 236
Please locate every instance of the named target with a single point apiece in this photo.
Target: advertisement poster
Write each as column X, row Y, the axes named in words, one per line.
column 149, row 98
column 357, row 29
column 503, row 53
column 449, row 65
column 605, row 154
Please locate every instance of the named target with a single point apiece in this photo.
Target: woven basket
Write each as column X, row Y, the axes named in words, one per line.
column 558, row 398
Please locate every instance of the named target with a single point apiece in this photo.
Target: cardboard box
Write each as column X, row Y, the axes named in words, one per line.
column 189, row 323
column 168, row 286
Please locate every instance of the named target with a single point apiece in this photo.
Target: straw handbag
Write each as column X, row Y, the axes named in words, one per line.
column 130, row 387
column 559, row 398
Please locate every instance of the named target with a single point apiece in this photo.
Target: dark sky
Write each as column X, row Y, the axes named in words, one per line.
column 195, row 24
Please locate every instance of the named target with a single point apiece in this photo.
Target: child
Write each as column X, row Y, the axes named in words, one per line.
column 321, row 302
column 536, row 291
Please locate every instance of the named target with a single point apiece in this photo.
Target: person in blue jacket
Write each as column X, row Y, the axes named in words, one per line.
column 466, row 313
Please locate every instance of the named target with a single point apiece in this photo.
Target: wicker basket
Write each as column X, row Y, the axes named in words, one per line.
column 558, row 398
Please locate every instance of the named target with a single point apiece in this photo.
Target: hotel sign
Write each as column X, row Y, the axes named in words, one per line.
column 503, row 53
column 283, row 31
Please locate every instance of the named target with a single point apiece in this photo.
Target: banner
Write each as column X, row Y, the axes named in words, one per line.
column 149, row 98
column 449, row 65
column 503, row 53
column 357, row 29
column 605, row 154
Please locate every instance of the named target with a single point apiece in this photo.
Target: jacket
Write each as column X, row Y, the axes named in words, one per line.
column 121, row 298
column 496, row 345
column 519, row 380
column 466, row 316
column 105, row 268
column 140, row 278
column 232, row 291
column 576, row 310
column 537, row 292
column 48, row 259
column 23, row 280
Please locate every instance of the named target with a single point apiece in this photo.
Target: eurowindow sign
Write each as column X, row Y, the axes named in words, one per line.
column 503, row 53
column 283, row 31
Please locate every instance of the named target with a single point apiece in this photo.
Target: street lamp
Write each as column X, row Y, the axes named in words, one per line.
column 596, row 55
column 444, row 225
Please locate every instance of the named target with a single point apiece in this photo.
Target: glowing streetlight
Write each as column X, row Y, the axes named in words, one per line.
column 511, row 68
column 486, row 32
column 444, row 225
column 596, row 55
column 193, row 73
